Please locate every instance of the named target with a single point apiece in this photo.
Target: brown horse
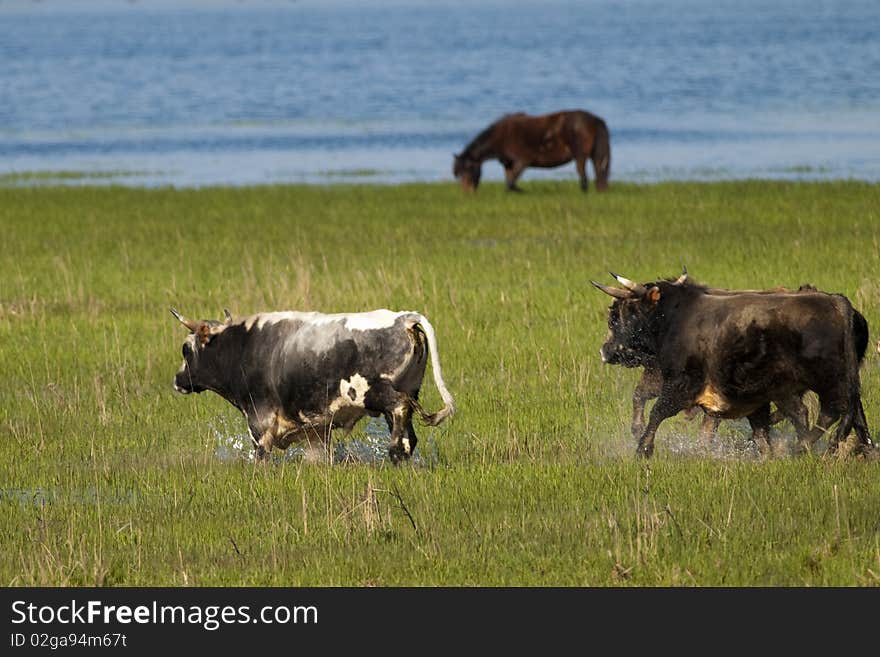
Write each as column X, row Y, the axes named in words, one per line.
column 550, row 140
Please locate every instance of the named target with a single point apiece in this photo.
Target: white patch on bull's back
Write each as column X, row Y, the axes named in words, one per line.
column 357, row 384
column 375, row 319
column 372, row 320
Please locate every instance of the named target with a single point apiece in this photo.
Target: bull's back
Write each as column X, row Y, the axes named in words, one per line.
column 312, row 358
column 764, row 341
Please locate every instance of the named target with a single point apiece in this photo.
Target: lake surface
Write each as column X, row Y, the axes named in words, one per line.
column 204, row 93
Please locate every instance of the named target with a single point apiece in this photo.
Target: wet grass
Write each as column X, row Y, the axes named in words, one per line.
column 110, row 478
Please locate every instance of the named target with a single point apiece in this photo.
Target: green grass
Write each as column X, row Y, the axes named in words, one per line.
column 110, row 478
column 50, row 177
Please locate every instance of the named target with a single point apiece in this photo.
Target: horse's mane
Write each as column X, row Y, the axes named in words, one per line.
column 478, row 141
column 483, row 136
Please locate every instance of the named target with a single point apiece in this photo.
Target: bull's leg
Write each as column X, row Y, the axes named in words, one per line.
column 647, row 388
column 853, row 420
column 410, row 438
column 861, row 428
column 760, row 423
column 261, row 437
column 512, row 172
column 640, row 397
column 403, row 436
column 638, row 421
column 796, row 411
column 776, row 417
column 828, row 415
column 666, row 406
column 708, row 429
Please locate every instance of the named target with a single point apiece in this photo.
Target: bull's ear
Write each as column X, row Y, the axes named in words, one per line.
column 653, row 294
column 205, row 332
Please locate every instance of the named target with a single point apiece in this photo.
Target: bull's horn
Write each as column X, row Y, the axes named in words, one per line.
column 188, row 323
column 635, row 288
column 227, row 314
column 684, row 276
column 615, row 292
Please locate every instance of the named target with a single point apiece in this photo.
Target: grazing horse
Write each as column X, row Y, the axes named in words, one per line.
column 550, row 140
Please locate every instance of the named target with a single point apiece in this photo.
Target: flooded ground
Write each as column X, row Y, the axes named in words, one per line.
column 367, row 444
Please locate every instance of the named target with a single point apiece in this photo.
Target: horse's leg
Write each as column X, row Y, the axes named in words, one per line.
column 581, row 162
column 511, row 173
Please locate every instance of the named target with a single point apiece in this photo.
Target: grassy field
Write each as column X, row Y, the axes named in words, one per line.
column 110, row 478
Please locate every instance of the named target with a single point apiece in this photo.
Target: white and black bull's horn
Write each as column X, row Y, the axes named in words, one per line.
column 188, row 323
column 227, row 315
column 636, row 288
column 615, row 292
column 684, row 276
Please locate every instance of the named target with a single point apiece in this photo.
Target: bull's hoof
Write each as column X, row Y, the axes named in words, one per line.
column 765, row 451
column 852, row 447
column 801, row 449
column 644, row 451
column 397, row 455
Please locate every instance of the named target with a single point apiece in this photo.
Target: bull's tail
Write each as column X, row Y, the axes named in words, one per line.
column 854, row 417
column 860, row 334
column 433, row 419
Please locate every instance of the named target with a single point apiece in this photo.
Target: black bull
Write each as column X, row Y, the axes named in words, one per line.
column 734, row 355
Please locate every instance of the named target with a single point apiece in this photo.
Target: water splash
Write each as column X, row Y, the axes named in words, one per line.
column 368, row 446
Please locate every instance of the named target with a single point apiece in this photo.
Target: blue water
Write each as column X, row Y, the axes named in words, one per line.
column 222, row 92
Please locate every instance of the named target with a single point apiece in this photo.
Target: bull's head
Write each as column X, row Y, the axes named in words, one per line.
column 467, row 170
column 196, row 373
column 628, row 342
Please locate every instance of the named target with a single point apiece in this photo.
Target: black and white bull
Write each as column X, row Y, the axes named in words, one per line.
column 733, row 355
column 297, row 375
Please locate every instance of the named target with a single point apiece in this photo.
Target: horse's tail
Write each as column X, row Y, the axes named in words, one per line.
column 601, row 154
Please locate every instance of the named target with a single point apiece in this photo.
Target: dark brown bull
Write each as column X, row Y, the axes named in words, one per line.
column 519, row 141
column 651, row 382
column 735, row 355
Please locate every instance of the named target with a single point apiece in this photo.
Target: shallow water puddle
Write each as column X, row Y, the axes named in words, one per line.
column 368, row 444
